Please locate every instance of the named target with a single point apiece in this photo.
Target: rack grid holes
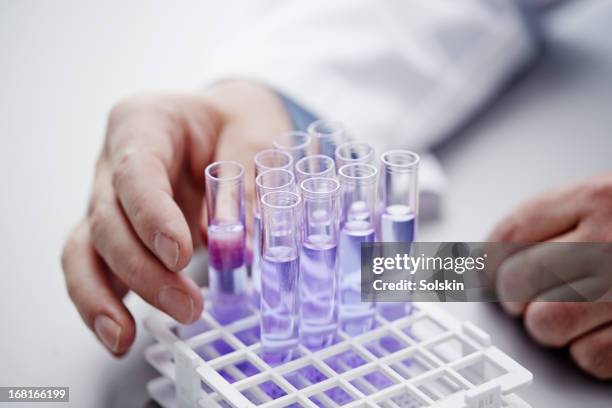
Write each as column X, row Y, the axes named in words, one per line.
column 387, row 344
column 305, row 376
column 332, row 397
column 372, row 382
column 263, row 392
column 414, row 364
column 441, row 387
column 481, row 370
column 213, row 349
column 451, row 349
column 402, row 399
column 345, row 361
column 424, row 328
column 249, row 336
column 238, row 370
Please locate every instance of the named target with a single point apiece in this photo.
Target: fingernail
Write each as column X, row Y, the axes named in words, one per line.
column 167, row 249
column 108, row 332
column 176, row 303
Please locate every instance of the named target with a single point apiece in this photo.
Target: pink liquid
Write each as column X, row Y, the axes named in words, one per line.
column 227, row 271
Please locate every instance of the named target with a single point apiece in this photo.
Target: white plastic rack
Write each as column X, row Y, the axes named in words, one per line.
column 425, row 359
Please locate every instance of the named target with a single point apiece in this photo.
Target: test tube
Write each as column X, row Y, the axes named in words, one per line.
column 400, row 199
column 294, row 142
column 400, row 204
column 280, row 274
column 226, row 238
column 354, row 152
column 272, row 159
column 266, row 182
column 317, row 165
column 318, row 263
column 264, row 160
column 326, row 136
column 357, row 225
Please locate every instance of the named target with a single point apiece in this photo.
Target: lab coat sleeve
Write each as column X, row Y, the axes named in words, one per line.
column 396, row 73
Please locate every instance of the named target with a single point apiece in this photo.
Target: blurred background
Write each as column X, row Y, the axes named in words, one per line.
column 65, row 63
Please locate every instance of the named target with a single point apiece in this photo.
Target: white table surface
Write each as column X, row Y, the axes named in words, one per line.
column 63, row 64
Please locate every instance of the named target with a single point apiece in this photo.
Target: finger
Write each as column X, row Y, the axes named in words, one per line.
column 593, row 353
column 538, row 269
column 118, row 245
column 548, row 215
column 145, row 145
column 556, row 324
column 142, row 185
column 89, row 287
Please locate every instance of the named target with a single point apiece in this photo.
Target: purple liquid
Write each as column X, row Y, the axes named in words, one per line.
column 279, row 303
column 227, row 271
column 318, row 282
column 356, row 317
column 256, row 264
column 397, row 224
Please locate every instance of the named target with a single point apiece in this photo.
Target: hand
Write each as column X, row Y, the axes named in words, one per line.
column 145, row 213
column 578, row 213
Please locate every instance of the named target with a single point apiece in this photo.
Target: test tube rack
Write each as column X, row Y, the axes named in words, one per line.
column 427, row 358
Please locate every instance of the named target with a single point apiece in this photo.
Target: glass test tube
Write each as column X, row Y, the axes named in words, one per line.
column 272, row 159
column 317, row 165
column 398, row 215
column 400, row 199
column 280, row 273
column 354, row 152
column 294, row 142
column 357, row 225
column 326, row 136
column 226, row 237
column 318, row 264
column 266, row 182
column 264, row 160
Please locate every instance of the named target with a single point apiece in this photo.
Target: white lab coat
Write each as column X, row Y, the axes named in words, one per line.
column 396, row 73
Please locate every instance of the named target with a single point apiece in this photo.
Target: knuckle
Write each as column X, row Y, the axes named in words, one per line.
column 144, row 219
column 124, row 106
column 123, row 168
column 551, row 323
column 601, row 191
column 133, row 104
column 135, row 270
column 99, row 219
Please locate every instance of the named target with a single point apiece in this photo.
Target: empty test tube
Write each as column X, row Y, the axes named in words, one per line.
column 297, row 143
column 318, row 263
column 264, row 160
column 354, row 152
column 281, row 212
column 357, row 225
column 226, row 238
column 317, row 165
column 266, row 182
column 326, row 137
column 398, row 215
column 272, row 159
